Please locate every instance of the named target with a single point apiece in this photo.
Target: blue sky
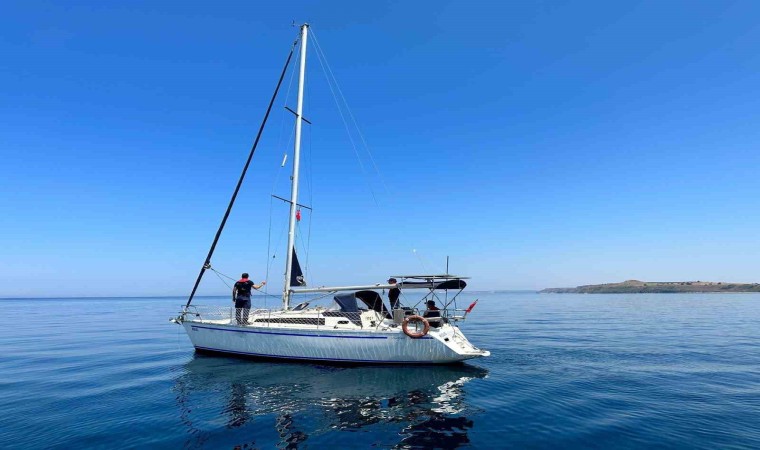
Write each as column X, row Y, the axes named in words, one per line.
column 538, row 144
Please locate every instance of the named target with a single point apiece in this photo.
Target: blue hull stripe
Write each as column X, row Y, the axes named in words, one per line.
column 321, row 359
column 292, row 334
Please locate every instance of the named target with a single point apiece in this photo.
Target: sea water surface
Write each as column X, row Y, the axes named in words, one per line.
column 566, row 371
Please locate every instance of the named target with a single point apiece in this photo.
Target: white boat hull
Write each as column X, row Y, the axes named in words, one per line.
column 440, row 346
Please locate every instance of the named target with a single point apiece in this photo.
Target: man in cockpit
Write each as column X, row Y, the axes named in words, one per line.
column 432, row 314
column 393, row 294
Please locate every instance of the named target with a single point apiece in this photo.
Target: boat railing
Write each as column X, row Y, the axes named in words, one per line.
column 314, row 317
column 210, row 313
column 454, row 314
column 224, row 314
column 272, row 317
column 445, row 315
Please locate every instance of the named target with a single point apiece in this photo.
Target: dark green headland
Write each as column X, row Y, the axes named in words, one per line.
column 656, row 287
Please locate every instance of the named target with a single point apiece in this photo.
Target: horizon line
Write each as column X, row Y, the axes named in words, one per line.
column 205, row 296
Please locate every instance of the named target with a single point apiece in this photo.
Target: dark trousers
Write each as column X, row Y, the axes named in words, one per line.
column 242, row 307
column 433, row 318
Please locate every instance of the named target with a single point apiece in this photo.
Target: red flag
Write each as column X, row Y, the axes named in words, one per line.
column 467, row 311
column 298, row 215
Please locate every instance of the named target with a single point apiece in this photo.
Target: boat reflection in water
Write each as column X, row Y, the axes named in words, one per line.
column 228, row 402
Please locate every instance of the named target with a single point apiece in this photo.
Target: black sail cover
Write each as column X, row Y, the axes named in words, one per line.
column 296, row 274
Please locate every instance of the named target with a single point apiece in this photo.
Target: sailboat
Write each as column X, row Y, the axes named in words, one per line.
column 357, row 326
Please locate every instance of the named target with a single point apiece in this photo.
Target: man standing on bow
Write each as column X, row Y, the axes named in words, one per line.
column 241, row 295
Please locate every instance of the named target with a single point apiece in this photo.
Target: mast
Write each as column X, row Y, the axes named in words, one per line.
column 294, row 178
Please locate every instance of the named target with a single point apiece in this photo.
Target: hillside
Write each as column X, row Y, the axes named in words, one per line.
column 656, row 287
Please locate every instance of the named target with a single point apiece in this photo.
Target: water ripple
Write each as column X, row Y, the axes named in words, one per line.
column 636, row 371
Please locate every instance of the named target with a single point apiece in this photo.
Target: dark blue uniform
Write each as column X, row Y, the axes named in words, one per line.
column 434, row 315
column 242, row 293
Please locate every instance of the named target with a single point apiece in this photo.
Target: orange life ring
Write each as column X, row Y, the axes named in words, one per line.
column 415, row 318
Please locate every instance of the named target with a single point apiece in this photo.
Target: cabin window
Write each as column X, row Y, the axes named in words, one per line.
column 299, row 320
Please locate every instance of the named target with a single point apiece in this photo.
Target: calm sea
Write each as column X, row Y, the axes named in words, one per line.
column 566, row 371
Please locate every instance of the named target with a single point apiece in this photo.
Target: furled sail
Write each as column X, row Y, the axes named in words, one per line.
column 296, row 274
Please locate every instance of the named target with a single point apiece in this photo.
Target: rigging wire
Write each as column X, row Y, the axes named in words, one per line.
column 304, row 244
column 303, row 247
column 271, row 252
column 351, row 115
column 287, row 97
column 422, row 262
column 271, row 255
column 322, row 63
column 279, row 171
column 332, row 79
column 220, row 275
column 342, row 104
column 308, row 242
column 309, row 178
column 277, row 245
column 269, row 240
column 207, row 262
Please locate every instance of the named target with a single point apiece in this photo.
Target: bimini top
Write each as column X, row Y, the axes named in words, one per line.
column 456, row 283
column 444, row 276
column 425, row 282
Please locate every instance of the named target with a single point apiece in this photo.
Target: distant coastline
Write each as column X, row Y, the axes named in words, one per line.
column 655, row 287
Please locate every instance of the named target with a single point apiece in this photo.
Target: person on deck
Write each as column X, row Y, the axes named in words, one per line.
column 393, row 294
column 433, row 314
column 241, row 295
